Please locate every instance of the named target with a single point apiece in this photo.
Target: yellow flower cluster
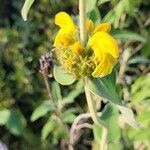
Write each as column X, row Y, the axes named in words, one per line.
column 97, row 59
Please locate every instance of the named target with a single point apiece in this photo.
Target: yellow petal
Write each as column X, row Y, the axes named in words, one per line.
column 105, row 66
column 89, row 26
column 77, row 48
column 62, row 39
column 102, row 42
column 63, row 20
column 103, row 27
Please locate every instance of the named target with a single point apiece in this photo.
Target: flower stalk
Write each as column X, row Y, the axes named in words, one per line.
column 82, row 20
column 90, row 101
column 92, row 108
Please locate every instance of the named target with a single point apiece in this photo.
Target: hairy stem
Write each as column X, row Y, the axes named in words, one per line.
column 92, row 109
column 90, row 101
column 47, row 86
column 82, row 19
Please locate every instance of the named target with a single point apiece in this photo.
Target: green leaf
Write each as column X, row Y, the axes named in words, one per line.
column 25, row 8
column 129, row 6
column 47, row 129
column 41, row 110
column 139, row 59
column 110, row 116
column 4, row 116
column 139, row 89
column 68, row 116
column 90, row 5
column 94, row 15
column 97, row 131
column 128, row 35
column 77, row 90
column 62, row 77
column 141, row 83
column 114, row 15
column 105, row 88
column 144, row 118
column 110, row 17
column 115, row 146
column 56, row 92
column 141, row 95
column 138, row 135
column 118, row 10
column 128, row 116
column 100, row 2
column 16, row 123
column 146, row 49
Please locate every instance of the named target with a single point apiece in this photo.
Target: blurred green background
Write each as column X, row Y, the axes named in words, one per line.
column 27, row 120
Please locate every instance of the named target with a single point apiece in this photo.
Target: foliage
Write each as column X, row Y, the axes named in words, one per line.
column 33, row 121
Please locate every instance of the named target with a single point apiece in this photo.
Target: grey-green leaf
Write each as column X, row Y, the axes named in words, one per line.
column 68, row 117
column 105, row 88
column 4, row 116
column 78, row 89
column 100, row 2
column 16, row 123
column 110, row 116
column 97, row 131
column 128, row 35
column 90, row 5
column 128, row 116
column 95, row 16
column 56, row 92
column 25, row 8
column 41, row 110
column 62, row 77
column 47, row 129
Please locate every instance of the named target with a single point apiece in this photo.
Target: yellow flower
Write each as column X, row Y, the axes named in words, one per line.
column 64, row 21
column 105, row 49
column 100, row 55
column 67, row 28
column 62, row 40
column 89, row 26
column 77, row 48
column 103, row 27
column 105, row 66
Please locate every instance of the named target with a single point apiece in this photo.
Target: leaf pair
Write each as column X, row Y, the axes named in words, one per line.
column 103, row 87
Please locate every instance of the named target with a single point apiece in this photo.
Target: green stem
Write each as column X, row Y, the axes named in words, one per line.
column 92, row 109
column 82, row 19
column 90, row 101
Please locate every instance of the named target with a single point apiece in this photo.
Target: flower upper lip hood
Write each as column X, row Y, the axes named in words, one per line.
column 104, row 46
column 65, row 23
column 67, row 27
